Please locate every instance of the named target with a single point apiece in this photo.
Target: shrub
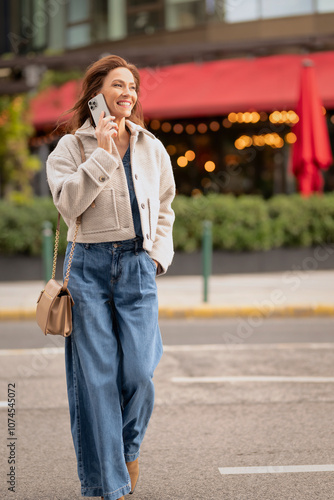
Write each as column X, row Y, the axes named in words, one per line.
column 21, row 226
column 238, row 224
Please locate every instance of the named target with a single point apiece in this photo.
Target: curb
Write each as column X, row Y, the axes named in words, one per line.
column 204, row 311
column 209, row 311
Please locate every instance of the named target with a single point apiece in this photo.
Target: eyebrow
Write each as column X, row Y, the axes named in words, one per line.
column 119, row 80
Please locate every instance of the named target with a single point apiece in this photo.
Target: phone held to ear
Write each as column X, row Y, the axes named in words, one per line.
column 96, row 105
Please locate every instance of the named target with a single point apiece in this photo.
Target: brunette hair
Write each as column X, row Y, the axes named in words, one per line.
column 91, row 86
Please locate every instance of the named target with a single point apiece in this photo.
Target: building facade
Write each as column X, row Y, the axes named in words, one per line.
column 70, row 34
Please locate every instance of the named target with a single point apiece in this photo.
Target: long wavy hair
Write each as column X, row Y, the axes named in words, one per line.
column 91, row 86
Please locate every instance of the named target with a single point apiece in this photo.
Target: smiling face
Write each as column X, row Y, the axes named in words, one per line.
column 120, row 92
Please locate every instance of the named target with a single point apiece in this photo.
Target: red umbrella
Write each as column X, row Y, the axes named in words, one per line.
column 311, row 151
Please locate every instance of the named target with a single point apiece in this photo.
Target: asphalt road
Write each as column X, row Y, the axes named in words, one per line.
column 26, row 334
column 238, row 417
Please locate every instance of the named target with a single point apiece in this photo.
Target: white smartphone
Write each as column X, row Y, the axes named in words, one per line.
column 96, row 105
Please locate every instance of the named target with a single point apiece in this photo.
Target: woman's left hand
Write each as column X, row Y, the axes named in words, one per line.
column 156, row 263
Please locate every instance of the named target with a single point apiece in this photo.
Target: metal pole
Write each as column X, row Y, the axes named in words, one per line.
column 47, row 249
column 206, row 256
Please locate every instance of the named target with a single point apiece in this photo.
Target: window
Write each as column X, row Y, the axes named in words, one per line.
column 182, row 14
column 5, row 31
column 99, row 21
column 78, row 11
column 285, row 8
column 237, row 11
column 325, row 6
column 78, row 33
column 33, row 26
column 144, row 16
column 250, row 10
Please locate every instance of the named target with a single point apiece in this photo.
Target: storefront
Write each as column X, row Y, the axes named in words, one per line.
column 238, row 153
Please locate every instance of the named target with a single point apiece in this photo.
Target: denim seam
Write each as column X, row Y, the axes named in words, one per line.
column 77, row 416
column 118, row 268
column 131, row 454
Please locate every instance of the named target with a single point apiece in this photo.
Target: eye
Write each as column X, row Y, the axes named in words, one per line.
column 117, row 85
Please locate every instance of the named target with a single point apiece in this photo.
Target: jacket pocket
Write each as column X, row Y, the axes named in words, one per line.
column 102, row 216
column 154, row 207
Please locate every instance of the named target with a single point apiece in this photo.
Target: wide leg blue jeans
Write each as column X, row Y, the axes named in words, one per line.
column 110, row 358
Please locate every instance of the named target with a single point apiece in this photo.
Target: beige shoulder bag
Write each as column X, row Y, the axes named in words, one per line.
column 54, row 304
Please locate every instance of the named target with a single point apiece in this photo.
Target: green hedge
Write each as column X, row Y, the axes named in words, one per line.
column 244, row 223
column 252, row 223
column 21, row 226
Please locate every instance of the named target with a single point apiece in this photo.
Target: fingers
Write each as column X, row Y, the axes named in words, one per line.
column 105, row 119
column 105, row 131
column 111, row 127
column 106, row 124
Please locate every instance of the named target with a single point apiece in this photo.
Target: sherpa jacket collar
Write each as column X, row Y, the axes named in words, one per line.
column 87, row 129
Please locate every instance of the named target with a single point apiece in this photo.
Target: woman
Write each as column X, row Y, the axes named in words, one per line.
column 123, row 190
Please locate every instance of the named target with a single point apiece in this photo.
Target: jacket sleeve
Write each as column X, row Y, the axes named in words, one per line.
column 163, row 249
column 75, row 185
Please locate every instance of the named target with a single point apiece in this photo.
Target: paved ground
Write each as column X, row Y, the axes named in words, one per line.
column 197, row 426
column 198, row 331
column 290, row 293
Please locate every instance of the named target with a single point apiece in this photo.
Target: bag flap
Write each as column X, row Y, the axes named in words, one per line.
column 52, row 288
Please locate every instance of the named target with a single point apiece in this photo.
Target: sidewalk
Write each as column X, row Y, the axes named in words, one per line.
column 292, row 293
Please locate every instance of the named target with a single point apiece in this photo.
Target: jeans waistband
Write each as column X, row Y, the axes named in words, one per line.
column 132, row 244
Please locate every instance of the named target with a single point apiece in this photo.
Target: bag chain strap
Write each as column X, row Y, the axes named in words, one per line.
column 78, row 222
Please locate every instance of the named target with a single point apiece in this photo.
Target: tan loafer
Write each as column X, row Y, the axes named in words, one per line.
column 122, row 498
column 133, row 468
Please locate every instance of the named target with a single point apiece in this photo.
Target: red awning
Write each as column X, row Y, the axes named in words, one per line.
column 220, row 87
column 211, row 88
column 49, row 104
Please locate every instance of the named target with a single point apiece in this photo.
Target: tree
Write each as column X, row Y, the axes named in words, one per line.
column 17, row 164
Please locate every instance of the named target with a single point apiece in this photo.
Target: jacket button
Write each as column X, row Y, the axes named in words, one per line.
column 102, row 178
column 136, row 176
column 147, row 236
column 142, row 205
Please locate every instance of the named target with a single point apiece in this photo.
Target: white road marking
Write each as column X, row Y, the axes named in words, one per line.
column 242, row 347
column 3, row 404
column 255, row 378
column 273, row 469
column 186, row 348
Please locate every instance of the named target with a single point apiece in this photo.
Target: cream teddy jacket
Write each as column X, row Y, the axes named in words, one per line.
column 97, row 189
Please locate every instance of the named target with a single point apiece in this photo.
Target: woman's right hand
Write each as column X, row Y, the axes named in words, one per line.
column 106, row 129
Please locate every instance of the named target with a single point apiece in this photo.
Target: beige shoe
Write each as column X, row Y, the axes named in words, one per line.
column 122, row 498
column 133, row 468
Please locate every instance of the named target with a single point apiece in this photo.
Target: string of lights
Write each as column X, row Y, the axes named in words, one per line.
column 273, row 139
